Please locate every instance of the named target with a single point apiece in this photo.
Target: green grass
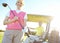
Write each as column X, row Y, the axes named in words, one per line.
column 1, row 36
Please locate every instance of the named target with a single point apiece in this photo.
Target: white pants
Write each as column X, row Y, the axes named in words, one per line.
column 12, row 36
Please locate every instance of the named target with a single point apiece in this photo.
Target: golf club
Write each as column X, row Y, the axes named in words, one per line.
column 5, row 5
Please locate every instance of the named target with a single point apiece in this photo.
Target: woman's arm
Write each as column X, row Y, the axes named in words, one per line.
column 8, row 21
column 25, row 20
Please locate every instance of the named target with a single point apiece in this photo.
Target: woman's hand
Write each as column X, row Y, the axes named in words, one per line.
column 15, row 18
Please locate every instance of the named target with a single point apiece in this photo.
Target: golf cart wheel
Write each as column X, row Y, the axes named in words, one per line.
column 54, row 37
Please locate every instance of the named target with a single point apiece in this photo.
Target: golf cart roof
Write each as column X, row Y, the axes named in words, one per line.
column 39, row 18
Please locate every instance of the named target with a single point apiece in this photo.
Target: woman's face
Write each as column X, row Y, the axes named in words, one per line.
column 19, row 3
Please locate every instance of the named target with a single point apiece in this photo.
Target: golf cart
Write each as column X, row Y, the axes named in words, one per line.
column 43, row 19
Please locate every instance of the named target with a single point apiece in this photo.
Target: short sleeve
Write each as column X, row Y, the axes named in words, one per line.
column 25, row 17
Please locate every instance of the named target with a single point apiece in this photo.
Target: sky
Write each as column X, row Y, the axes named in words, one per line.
column 41, row 7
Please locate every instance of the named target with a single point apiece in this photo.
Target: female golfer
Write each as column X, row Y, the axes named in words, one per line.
column 15, row 21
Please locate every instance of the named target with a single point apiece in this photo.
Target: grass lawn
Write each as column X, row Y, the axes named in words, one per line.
column 1, row 36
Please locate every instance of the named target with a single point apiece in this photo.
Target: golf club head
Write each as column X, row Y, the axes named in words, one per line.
column 4, row 4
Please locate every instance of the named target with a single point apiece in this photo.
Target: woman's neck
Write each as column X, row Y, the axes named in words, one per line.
column 18, row 8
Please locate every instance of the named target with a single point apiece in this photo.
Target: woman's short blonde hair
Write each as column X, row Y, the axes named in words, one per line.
column 20, row 1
